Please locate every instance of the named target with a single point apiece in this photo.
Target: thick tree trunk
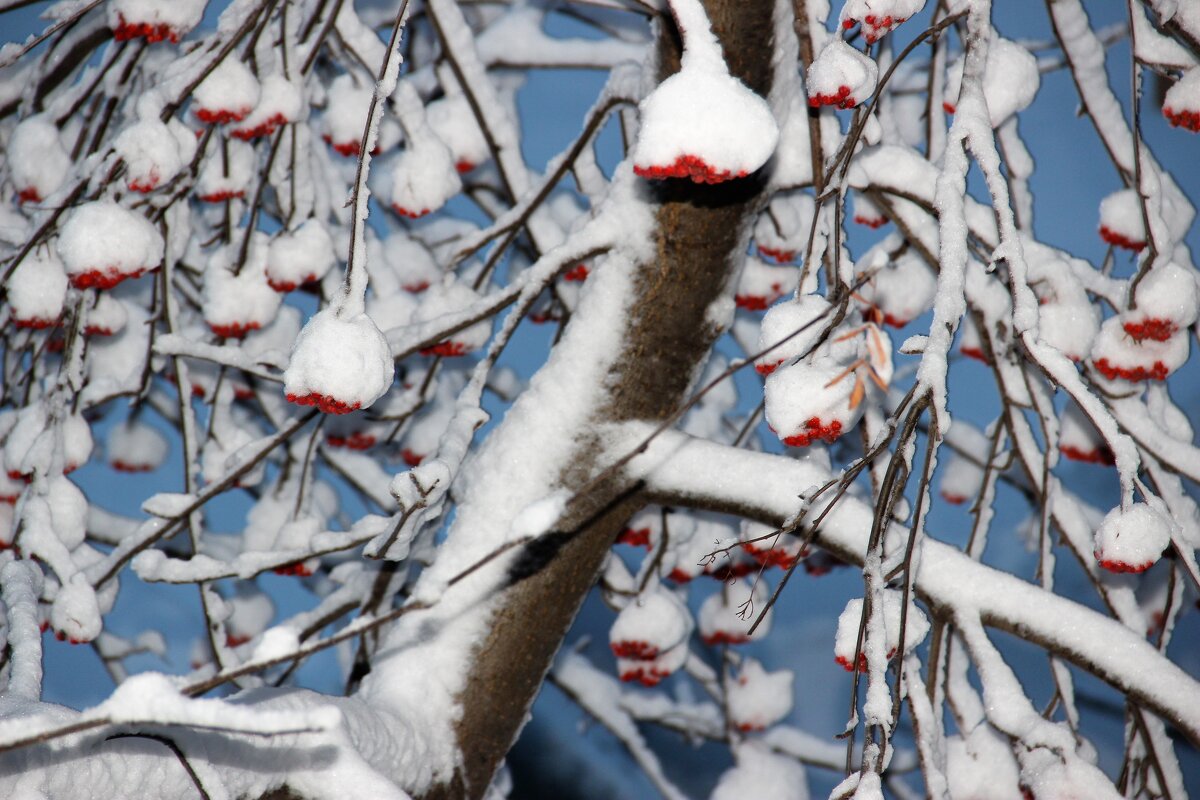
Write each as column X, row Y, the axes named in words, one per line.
column 701, row 236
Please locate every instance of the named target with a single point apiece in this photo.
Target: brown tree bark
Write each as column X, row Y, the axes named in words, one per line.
column 701, row 236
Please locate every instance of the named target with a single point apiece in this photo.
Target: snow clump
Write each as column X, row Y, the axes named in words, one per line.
column 227, row 172
column 236, row 303
column 726, row 616
column 803, row 319
column 758, row 699
column 763, row 774
column 134, row 446
column 424, row 178
column 447, row 299
column 761, row 284
column 1167, row 303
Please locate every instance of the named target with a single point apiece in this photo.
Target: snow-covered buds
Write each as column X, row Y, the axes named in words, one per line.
column 878, row 17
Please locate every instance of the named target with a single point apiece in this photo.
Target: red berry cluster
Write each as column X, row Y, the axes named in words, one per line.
column 751, row 302
column 644, row 673
column 355, row 441
column 404, row 212
column 289, row 286
column 1121, row 566
column 220, row 116
column 35, row 324
column 1183, row 119
column 146, row 185
column 234, row 330
column 126, row 466
column 1154, row 328
column 1101, row 455
column 1157, row 372
column 296, row 568
column 634, row 538
column 153, row 34
column 814, row 430
column 348, row 149
column 411, row 458
column 841, row 99
column 329, row 405
column 688, row 166
column 862, row 661
column 767, row 367
column 28, row 195
column 103, row 278
column 223, row 195
column 577, row 273
column 447, row 349
column 870, row 222
column 262, row 129
column 725, row 637
column 462, row 167
column 773, row 556
column 776, row 255
column 642, row 651
column 1117, row 239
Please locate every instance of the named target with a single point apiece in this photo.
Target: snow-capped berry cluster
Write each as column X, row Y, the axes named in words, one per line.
column 300, row 256
column 789, row 330
column 423, row 178
column 702, row 123
column 1168, row 302
column 154, row 152
column 895, row 291
column 339, row 364
column 1121, row 222
column 227, row 172
column 280, row 103
column 841, row 76
column 1010, row 80
column 878, row 17
column 1181, row 105
column 761, row 284
column 782, row 230
column 154, row 20
column 650, row 637
column 771, row 547
column 103, row 244
column 1067, row 319
column 1132, row 539
column 758, row 699
column 237, row 301
column 38, row 160
column 1117, row 355
column 228, row 94
column 961, row 480
column 727, row 614
column 822, row 398
column 851, row 619
column 134, row 446
column 37, row 290
column 1079, row 440
column 452, row 298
